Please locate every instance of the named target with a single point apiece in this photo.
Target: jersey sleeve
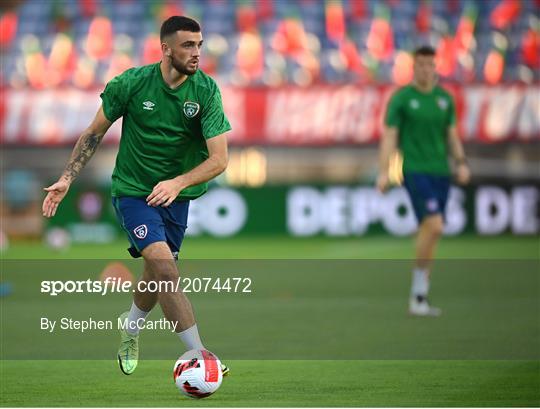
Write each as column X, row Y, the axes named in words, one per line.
column 213, row 119
column 116, row 96
column 394, row 113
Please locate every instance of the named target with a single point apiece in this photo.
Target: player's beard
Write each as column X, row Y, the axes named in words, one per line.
column 425, row 80
column 184, row 68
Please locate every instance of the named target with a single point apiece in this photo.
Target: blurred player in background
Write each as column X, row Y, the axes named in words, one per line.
column 421, row 121
column 172, row 143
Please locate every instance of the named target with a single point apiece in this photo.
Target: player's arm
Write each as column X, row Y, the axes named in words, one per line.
column 166, row 191
column 387, row 147
column 82, row 152
column 463, row 174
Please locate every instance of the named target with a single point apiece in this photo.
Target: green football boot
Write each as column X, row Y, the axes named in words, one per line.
column 128, row 352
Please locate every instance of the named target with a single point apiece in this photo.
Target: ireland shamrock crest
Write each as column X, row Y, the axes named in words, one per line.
column 191, row 109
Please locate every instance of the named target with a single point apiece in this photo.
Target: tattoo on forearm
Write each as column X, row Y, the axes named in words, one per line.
column 83, row 151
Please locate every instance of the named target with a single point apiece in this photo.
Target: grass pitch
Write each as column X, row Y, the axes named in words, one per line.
column 278, row 384
column 292, row 382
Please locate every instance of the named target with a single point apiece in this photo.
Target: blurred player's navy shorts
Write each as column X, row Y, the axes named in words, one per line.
column 428, row 193
column 145, row 224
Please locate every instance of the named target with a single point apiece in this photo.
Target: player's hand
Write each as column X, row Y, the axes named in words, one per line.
column 164, row 193
column 382, row 182
column 463, row 174
column 57, row 191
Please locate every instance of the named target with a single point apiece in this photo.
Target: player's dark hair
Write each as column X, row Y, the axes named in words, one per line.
column 178, row 23
column 426, row 50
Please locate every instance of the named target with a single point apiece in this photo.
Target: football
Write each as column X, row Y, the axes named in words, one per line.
column 197, row 373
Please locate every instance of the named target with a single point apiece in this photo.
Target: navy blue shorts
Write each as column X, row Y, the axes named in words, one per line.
column 428, row 193
column 145, row 224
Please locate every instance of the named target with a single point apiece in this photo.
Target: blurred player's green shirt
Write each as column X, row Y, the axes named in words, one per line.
column 422, row 120
column 164, row 130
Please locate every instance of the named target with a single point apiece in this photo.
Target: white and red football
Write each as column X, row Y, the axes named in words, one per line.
column 197, row 373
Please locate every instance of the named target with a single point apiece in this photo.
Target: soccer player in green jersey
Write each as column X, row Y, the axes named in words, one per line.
column 173, row 142
column 421, row 122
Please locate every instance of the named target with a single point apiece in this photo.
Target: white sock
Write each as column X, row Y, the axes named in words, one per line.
column 420, row 283
column 135, row 316
column 191, row 339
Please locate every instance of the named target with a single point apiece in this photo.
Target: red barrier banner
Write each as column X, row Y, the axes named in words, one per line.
column 289, row 116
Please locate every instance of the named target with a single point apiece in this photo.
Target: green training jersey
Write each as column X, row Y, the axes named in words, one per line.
column 164, row 130
column 422, row 120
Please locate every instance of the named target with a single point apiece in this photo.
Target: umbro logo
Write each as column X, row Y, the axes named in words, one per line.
column 148, row 105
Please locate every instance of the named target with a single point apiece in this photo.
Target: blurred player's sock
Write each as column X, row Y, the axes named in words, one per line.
column 135, row 316
column 420, row 284
column 418, row 302
column 191, row 339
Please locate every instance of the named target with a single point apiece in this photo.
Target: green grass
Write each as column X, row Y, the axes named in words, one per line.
column 278, row 384
column 483, row 351
column 373, row 247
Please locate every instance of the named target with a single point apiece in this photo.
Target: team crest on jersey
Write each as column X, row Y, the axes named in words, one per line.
column 140, row 231
column 414, row 104
column 443, row 103
column 191, row 109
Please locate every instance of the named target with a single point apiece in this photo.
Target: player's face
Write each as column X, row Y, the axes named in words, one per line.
column 424, row 69
column 184, row 51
